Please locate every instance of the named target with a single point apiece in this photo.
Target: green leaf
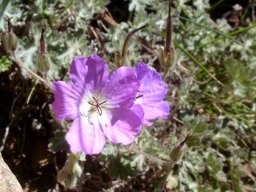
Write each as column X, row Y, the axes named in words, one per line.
column 214, row 165
column 193, row 141
column 5, row 64
column 221, row 141
column 118, row 168
column 200, row 127
column 109, row 149
column 3, row 6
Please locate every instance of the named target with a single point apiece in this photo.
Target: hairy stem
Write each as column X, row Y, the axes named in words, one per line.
column 15, row 59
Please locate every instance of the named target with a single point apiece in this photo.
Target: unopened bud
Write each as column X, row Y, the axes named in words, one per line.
column 168, row 55
column 43, row 60
column 69, row 174
column 43, row 63
column 9, row 39
column 167, row 59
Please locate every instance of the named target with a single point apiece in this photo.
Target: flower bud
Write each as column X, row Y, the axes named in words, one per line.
column 43, row 63
column 69, row 174
column 168, row 55
column 9, row 39
column 167, row 59
column 43, row 60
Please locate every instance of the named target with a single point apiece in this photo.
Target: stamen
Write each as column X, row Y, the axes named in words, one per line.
column 83, row 114
column 102, row 102
column 99, row 110
column 97, row 105
column 95, row 100
column 138, row 96
column 91, row 104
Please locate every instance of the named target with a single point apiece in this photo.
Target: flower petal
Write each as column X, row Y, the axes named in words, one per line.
column 151, row 93
column 156, row 110
column 78, row 70
column 152, row 87
column 90, row 72
column 122, row 86
column 85, row 137
column 66, row 101
column 73, row 137
column 125, row 125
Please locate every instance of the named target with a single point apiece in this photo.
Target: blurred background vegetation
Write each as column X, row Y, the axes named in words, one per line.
column 208, row 143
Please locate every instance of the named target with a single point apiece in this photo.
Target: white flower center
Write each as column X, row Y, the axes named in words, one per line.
column 97, row 105
column 92, row 107
column 138, row 99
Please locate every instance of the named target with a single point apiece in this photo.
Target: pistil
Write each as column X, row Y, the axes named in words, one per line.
column 97, row 105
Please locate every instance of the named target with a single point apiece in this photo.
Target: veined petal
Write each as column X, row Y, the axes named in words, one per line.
column 152, row 87
column 85, row 137
column 156, row 110
column 78, row 70
column 73, row 137
column 122, row 86
column 125, row 125
column 138, row 109
column 66, row 101
column 89, row 72
column 141, row 70
column 151, row 93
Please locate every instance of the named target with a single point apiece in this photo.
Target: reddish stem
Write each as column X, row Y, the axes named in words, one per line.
column 169, row 30
column 8, row 19
column 42, row 42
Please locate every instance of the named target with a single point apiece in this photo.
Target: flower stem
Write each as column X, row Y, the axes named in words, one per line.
column 15, row 59
column 126, row 43
column 42, row 42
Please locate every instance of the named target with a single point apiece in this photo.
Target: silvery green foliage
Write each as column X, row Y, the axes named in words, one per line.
column 139, row 5
column 219, row 155
column 5, row 64
column 62, row 44
column 221, row 117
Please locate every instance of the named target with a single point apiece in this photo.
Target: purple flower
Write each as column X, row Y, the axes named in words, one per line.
column 151, row 93
column 98, row 104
